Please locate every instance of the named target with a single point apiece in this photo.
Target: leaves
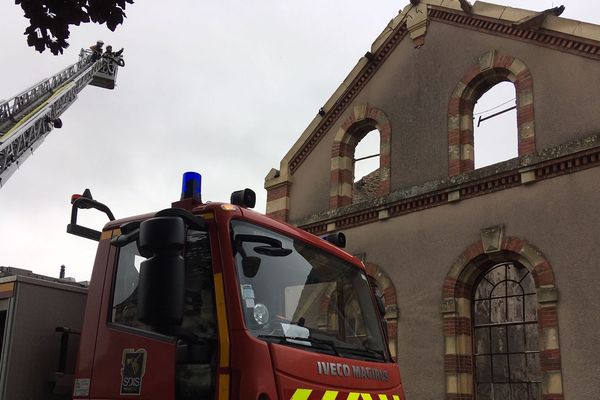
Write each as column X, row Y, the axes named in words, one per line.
column 49, row 20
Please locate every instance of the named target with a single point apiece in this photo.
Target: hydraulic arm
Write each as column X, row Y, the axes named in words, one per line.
column 28, row 117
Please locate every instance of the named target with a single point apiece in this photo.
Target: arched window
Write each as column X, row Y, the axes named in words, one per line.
column 495, row 126
column 361, row 146
column 366, row 168
column 491, row 70
column 506, row 345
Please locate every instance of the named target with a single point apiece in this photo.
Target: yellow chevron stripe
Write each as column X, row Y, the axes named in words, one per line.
column 301, row 394
column 330, row 395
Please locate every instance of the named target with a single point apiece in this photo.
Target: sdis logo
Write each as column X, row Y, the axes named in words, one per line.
column 133, row 368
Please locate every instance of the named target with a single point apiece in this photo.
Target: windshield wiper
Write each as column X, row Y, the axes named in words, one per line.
column 364, row 351
column 296, row 339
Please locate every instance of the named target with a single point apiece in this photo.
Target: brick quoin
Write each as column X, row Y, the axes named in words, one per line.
column 513, row 244
column 466, row 136
column 543, row 275
column 547, row 317
column 458, row 363
column 454, row 106
column 525, row 114
column 457, row 326
column 453, row 168
column 471, row 74
column 339, row 201
column 550, row 360
column 526, row 146
column 455, row 288
column 277, row 193
column 503, row 61
column 392, row 328
column 389, row 295
column 474, row 250
column 280, row 215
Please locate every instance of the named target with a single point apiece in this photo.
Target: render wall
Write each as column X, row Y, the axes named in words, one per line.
column 413, row 88
column 417, row 250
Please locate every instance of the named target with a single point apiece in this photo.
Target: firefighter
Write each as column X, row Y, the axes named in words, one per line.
column 97, row 50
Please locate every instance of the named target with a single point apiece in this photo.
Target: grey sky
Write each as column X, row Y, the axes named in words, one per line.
column 223, row 88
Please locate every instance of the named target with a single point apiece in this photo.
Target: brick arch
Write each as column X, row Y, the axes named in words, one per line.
column 386, row 287
column 362, row 120
column 491, row 69
column 456, row 309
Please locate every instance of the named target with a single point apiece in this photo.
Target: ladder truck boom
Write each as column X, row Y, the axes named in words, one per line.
column 26, row 119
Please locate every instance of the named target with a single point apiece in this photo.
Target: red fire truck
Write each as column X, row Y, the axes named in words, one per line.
column 216, row 301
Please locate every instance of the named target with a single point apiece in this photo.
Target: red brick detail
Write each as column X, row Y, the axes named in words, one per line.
column 525, row 114
column 524, row 81
column 550, row 360
column 542, row 274
column 392, row 329
column 547, row 317
column 466, row 136
column 471, row 74
column 277, row 192
column 281, row 215
column 457, row 326
column 455, row 288
column 553, row 397
column 473, row 251
column 453, row 167
column 513, row 244
column 348, row 122
column 339, row 201
column 503, row 61
column 454, row 137
column 467, row 165
column 339, row 176
column 458, row 363
column 384, row 160
column 526, row 146
column 419, row 41
column 389, row 294
column 454, row 107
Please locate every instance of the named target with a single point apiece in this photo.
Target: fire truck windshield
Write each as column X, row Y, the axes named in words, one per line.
column 296, row 294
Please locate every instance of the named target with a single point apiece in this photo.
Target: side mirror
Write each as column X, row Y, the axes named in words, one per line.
column 161, row 287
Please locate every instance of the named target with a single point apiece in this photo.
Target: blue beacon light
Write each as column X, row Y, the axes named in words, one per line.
column 191, row 186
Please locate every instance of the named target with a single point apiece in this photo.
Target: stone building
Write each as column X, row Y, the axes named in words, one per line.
column 489, row 274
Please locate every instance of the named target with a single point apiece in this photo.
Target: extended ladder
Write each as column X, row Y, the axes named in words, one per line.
column 28, row 117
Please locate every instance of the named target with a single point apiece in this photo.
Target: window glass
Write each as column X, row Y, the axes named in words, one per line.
column 298, row 295
column 197, row 336
column 506, row 335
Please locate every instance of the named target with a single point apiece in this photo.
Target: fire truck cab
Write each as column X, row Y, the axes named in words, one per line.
column 216, row 301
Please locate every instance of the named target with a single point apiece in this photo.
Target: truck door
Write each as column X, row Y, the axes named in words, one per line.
column 134, row 359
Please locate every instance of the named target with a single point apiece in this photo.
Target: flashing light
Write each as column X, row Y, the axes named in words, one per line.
column 191, row 186
column 74, row 197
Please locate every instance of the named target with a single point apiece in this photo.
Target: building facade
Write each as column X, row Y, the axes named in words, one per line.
column 489, row 274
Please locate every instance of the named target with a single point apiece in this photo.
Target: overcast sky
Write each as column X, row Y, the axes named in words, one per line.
column 219, row 87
